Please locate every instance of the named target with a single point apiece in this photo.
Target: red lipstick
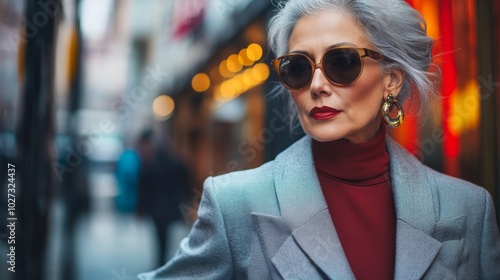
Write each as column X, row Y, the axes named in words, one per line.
column 323, row 113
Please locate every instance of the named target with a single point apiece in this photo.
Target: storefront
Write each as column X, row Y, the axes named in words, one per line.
column 220, row 101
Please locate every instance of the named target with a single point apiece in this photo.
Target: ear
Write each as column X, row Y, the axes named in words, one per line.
column 393, row 82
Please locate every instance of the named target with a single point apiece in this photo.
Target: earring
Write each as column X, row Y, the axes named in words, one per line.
column 386, row 109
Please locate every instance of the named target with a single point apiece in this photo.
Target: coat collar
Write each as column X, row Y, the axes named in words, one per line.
column 305, row 230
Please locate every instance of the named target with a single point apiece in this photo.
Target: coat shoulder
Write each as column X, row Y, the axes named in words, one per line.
column 457, row 193
column 242, row 180
column 247, row 190
column 449, row 192
column 254, row 189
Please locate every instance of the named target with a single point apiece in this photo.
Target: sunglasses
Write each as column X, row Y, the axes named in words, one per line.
column 341, row 66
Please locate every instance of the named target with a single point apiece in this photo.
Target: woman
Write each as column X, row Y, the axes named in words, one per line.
column 346, row 201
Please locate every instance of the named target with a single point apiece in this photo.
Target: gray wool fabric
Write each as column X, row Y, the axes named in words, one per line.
column 272, row 222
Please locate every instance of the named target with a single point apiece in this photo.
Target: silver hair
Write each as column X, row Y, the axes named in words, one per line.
column 394, row 28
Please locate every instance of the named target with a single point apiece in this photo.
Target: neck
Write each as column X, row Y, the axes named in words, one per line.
column 352, row 161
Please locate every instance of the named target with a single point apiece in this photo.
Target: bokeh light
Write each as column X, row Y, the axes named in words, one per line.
column 243, row 58
column 200, row 82
column 224, row 71
column 233, row 63
column 254, row 52
column 260, row 72
column 241, row 73
column 163, row 107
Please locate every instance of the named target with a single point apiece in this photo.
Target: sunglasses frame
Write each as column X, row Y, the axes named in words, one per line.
column 362, row 53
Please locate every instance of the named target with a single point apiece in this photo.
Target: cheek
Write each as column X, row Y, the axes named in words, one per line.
column 299, row 99
column 368, row 98
column 364, row 102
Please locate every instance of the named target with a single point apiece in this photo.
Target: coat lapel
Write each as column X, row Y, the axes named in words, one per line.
column 412, row 195
column 319, row 240
column 416, row 249
column 302, row 240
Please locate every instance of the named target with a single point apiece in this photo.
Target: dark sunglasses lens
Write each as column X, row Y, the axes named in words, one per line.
column 295, row 71
column 342, row 66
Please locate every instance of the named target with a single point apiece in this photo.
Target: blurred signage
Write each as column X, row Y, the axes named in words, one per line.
column 187, row 16
column 221, row 13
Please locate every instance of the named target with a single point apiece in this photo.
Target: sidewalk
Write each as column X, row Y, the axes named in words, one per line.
column 109, row 245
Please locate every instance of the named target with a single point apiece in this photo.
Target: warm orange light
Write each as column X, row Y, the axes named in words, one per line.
column 223, row 71
column 235, row 85
column 226, row 90
column 243, row 81
column 233, row 63
column 465, row 109
column 243, row 58
column 249, row 79
column 254, row 52
column 260, row 72
column 430, row 11
column 217, row 94
column 163, row 107
column 200, row 82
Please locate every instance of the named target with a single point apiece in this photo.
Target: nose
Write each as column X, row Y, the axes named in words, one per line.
column 319, row 84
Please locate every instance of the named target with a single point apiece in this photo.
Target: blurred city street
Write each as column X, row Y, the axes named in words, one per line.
column 108, row 245
column 114, row 112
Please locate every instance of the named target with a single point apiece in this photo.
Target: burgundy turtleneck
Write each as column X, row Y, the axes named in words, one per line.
column 356, row 184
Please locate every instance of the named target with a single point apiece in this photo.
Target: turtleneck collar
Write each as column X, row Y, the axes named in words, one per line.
column 360, row 164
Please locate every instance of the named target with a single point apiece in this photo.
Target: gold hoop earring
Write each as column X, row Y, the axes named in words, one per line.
column 386, row 110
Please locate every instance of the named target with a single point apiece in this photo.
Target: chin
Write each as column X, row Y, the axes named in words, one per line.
column 324, row 136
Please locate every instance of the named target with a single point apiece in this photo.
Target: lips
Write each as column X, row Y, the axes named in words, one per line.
column 323, row 113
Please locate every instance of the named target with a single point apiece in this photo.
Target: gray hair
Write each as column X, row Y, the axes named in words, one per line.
column 394, row 28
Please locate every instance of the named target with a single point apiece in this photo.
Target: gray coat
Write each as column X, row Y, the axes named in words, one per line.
column 272, row 222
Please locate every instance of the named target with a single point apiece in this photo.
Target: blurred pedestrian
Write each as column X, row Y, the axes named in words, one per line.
column 163, row 187
column 127, row 177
